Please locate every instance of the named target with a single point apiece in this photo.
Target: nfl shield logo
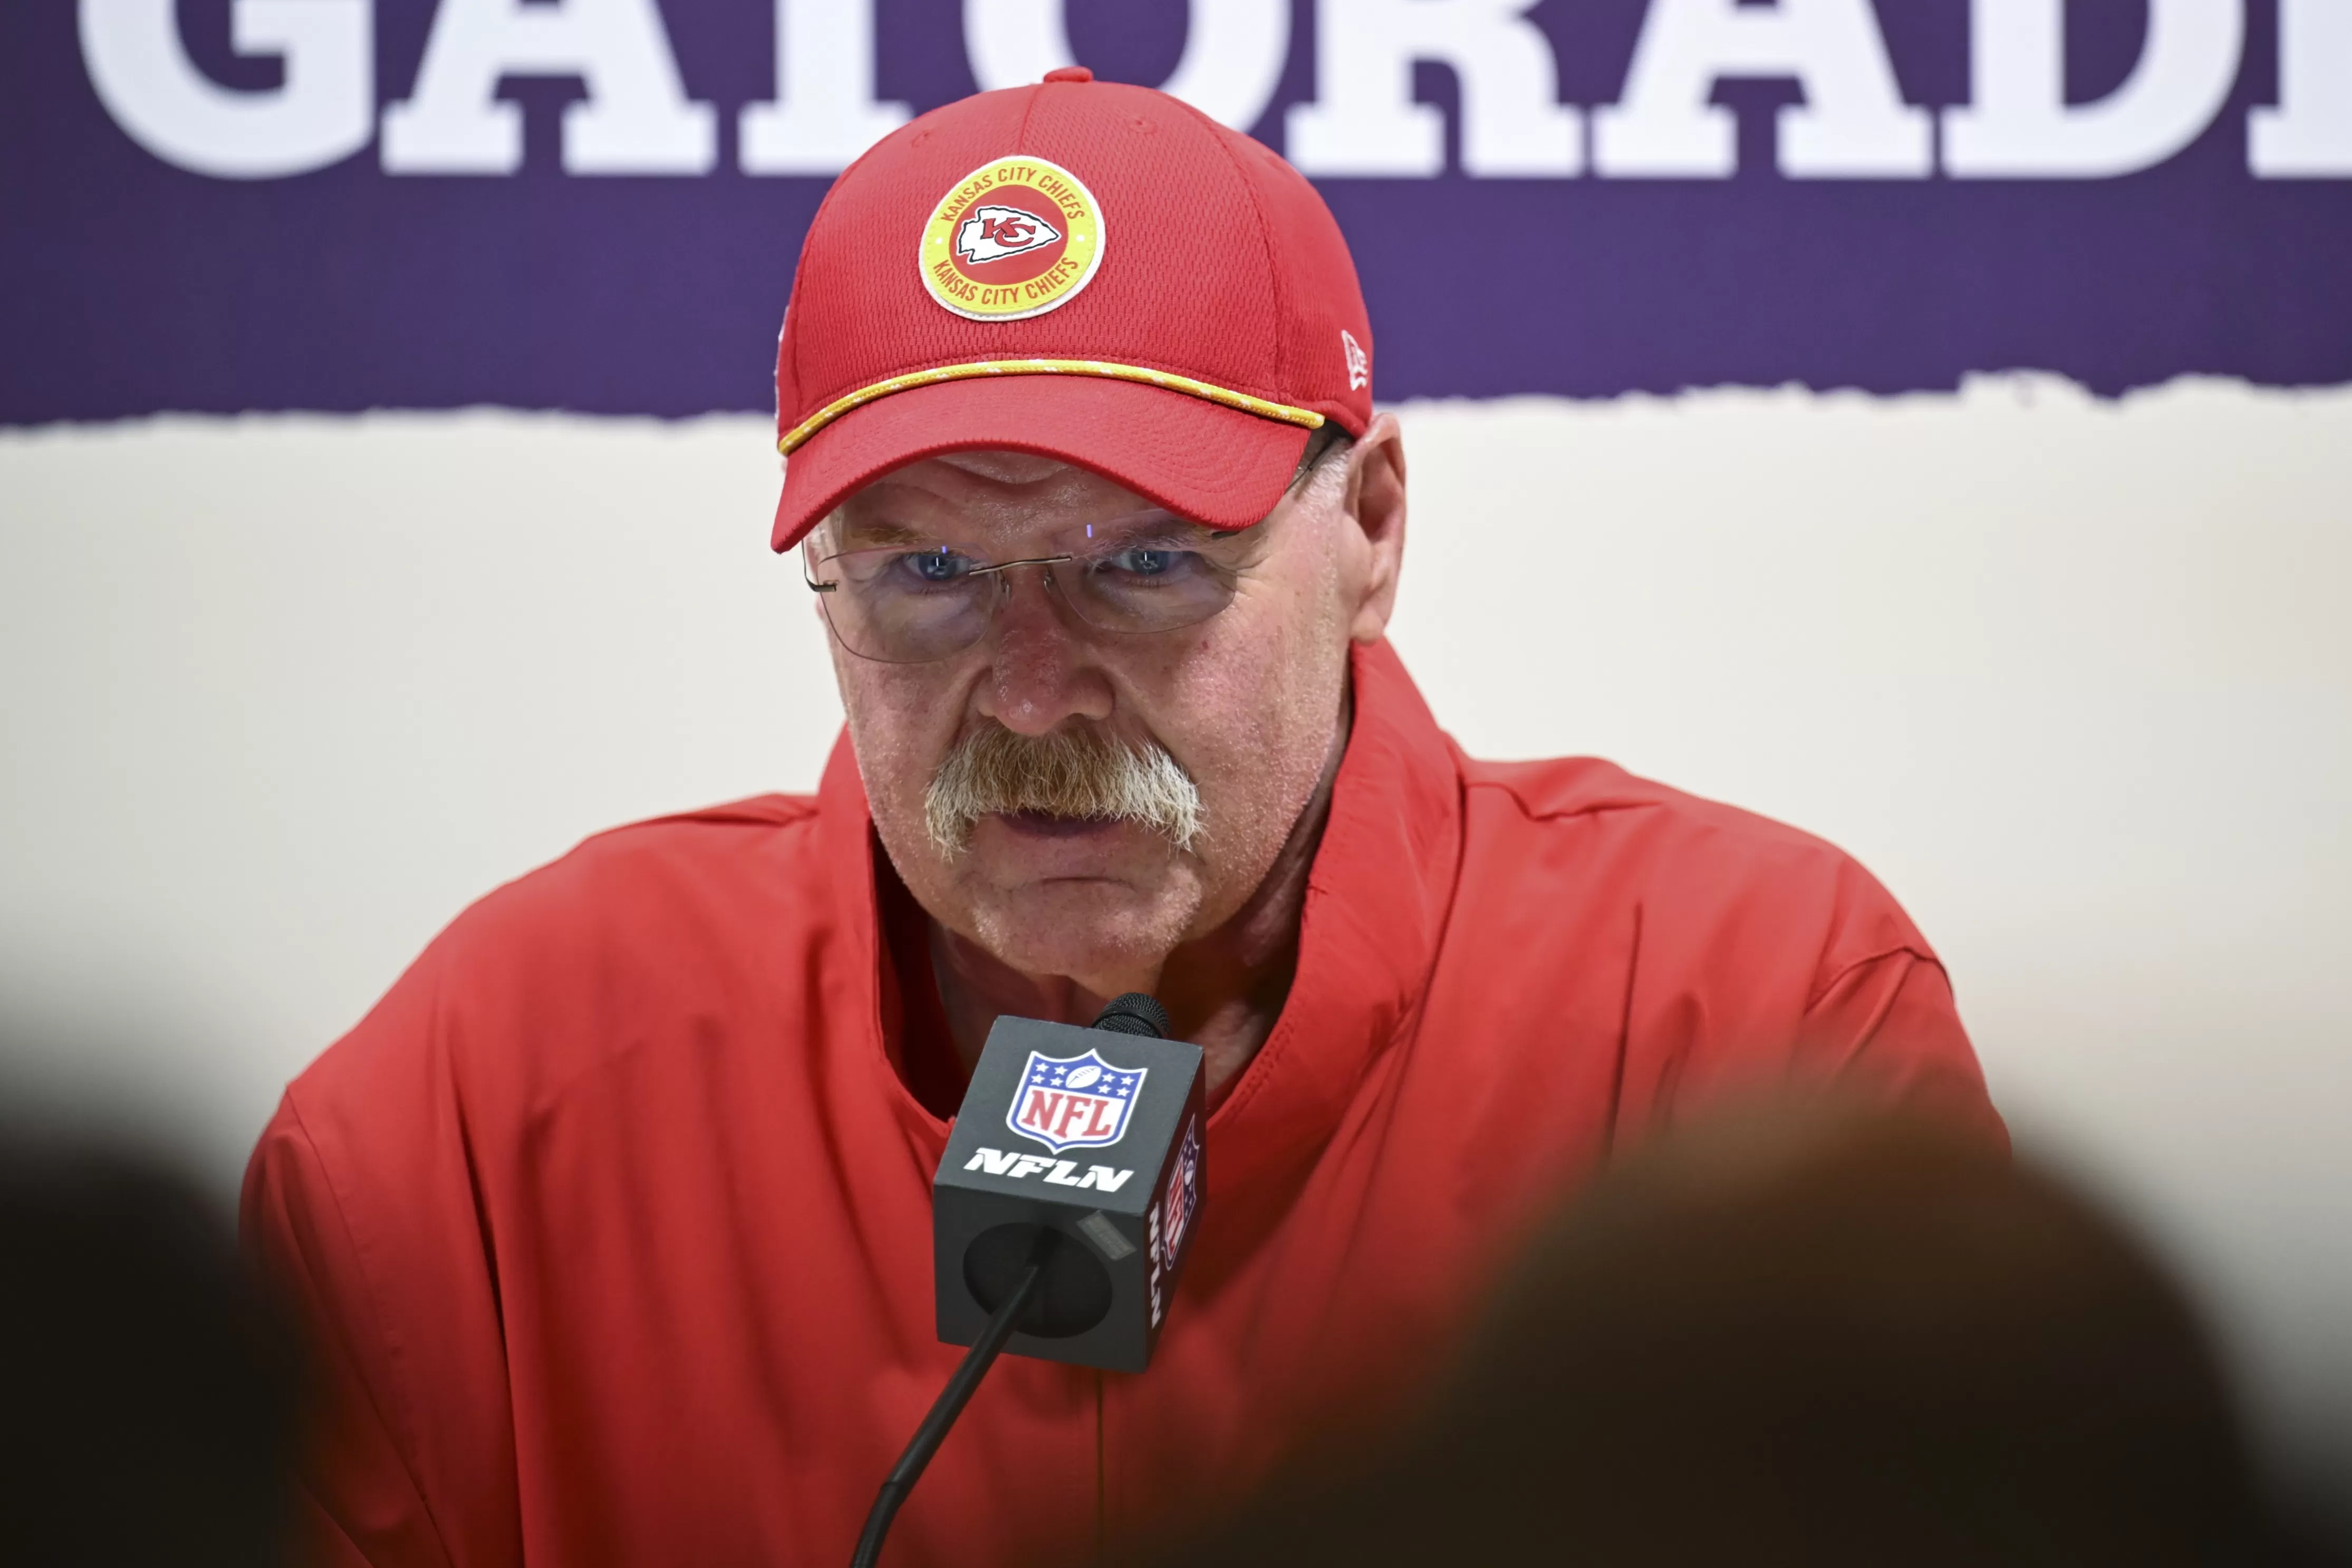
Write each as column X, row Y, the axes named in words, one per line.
column 1075, row 1102
column 1184, row 1194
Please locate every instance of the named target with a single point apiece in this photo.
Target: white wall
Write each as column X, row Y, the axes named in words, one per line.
column 280, row 694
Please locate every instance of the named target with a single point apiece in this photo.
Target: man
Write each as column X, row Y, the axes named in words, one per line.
column 613, row 1218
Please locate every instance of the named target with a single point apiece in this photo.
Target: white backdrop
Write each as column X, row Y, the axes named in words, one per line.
column 280, row 695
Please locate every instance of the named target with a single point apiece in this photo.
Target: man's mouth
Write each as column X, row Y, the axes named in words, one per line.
column 1045, row 825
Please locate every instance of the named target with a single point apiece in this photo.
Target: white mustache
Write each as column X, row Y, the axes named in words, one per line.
column 1075, row 771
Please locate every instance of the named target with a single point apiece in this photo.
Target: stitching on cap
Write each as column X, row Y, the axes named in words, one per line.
column 1021, row 134
column 793, row 300
column 1265, row 230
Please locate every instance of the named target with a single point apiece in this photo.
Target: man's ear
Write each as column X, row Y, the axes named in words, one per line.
column 1374, row 503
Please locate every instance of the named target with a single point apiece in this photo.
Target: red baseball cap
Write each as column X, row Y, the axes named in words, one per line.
column 1085, row 270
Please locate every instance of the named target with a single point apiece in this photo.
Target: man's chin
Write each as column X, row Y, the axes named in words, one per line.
column 1086, row 926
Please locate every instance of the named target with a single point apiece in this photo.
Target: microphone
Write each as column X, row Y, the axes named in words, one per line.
column 1062, row 1209
column 1089, row 1141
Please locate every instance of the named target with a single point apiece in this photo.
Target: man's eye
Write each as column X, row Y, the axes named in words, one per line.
column 934, row 566
column 1146, row 562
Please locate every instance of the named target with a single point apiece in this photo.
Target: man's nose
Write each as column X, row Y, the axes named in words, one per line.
column 1042, row 669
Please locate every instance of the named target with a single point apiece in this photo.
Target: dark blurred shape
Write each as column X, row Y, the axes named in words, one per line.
column 146, row 1395
column 1816, row 1336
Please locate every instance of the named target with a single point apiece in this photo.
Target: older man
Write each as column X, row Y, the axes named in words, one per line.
column 612, row 1221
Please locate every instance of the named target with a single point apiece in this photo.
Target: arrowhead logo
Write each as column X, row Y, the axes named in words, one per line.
column 993, row 233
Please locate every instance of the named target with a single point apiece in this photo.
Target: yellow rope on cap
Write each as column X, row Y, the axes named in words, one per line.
column 1175, row 383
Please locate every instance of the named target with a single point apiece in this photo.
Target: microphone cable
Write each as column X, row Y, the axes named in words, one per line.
column 945, row 1409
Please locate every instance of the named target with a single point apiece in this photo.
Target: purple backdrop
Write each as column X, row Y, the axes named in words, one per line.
column 130, row 285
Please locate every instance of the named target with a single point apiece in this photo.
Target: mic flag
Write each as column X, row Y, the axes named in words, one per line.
column 1080, row 1149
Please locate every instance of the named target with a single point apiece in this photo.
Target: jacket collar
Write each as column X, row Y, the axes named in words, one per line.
column 1377, row 900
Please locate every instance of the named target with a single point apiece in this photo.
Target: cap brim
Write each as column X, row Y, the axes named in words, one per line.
column 1216, row 464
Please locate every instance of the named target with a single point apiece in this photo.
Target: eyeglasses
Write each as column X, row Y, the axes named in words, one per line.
column 909, row 604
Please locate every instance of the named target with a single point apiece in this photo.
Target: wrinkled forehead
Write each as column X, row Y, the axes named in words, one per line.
column 992, row 498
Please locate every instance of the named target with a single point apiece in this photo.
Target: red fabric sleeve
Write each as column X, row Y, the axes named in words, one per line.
column 362, row 1208
column 357, row 1485
column 1773, row 964
column 1888, row 1025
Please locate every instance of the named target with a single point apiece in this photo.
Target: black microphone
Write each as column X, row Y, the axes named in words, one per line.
column 1064, row 1209
column 1093, row 1140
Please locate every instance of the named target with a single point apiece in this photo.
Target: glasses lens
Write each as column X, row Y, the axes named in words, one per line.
column 1151, row 587
column 1151, row 573
column 906, row 606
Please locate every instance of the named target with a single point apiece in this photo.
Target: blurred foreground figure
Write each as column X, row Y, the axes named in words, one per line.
column 145, row 1403
column 1813, row 1337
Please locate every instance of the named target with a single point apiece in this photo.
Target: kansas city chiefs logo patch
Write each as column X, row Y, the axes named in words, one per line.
column 1014, row 239
column 993, row 233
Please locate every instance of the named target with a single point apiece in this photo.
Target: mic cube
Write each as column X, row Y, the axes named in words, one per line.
column 1080, row 1149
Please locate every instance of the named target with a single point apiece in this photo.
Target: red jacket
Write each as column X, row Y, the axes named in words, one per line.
column 612, row 1221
